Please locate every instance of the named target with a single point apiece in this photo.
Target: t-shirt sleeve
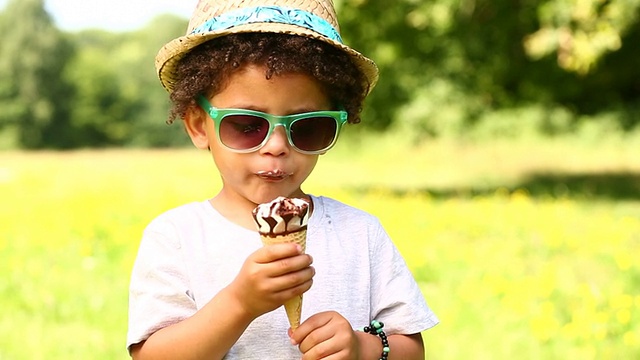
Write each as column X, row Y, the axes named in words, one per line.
column 159, row 291
column 396, row 297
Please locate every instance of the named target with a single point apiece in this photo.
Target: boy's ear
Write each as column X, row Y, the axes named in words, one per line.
column 195, row 122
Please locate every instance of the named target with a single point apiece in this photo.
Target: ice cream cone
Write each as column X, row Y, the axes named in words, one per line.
column 284, row 221
column 299, row 237
column 293, row 306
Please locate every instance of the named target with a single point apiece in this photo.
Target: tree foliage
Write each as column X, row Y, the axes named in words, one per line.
column 447, row 65
column 580, row 32
column 150, row 125
column 33, row 96
column 101, row 108
column 119, row 100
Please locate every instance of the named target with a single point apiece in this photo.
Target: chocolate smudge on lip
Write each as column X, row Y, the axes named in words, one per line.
column 277, row 174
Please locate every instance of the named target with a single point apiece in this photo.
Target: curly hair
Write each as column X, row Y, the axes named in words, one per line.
column 206, row 68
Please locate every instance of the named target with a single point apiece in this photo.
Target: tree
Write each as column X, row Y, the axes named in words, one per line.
column 101, row 113
column 118, row 98
column 138, row 67
column 32, row 91
column 446, row 64
column 581, row 32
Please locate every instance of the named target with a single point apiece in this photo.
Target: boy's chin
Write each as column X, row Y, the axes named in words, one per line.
column 269, row 196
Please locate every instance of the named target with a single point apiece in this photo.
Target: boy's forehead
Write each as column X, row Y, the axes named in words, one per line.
column 260, row 70
column 290, row 92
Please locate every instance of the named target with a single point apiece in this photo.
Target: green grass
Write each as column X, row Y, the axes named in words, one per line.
column 524, row 249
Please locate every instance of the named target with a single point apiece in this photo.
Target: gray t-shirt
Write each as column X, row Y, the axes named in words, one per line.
column 190, row 253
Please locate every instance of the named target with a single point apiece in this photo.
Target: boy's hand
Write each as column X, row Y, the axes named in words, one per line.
column 270, row 276
column 326, row 335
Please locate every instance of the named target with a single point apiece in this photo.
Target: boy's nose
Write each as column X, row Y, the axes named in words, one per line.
column 277, row 144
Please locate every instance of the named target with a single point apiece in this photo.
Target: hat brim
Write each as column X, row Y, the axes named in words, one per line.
column 170, row 54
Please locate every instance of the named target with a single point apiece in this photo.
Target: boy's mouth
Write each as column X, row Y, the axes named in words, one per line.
column 273, row 175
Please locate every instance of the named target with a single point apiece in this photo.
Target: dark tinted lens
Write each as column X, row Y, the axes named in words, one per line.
column 313, row 134
column 243, row 132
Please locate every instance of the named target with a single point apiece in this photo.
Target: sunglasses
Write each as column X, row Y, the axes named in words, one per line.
column 245, row 131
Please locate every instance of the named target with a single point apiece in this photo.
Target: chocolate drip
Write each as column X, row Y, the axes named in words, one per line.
column 283, row 214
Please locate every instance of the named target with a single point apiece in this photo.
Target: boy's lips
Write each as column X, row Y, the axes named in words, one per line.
column 273, row 175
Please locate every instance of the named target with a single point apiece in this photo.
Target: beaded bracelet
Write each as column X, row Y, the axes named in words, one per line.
column 375, row 328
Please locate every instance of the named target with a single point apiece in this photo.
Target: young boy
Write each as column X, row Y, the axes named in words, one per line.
column 266, row 86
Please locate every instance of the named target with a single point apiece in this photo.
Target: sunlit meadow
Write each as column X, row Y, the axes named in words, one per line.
column 511, row 274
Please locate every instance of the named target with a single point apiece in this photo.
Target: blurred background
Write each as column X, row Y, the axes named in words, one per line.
column 472, row 68
column 499, row 149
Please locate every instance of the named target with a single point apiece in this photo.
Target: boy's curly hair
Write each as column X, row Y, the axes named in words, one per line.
column 207, row 67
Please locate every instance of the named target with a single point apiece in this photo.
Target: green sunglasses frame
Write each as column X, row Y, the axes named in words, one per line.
column 274, row 120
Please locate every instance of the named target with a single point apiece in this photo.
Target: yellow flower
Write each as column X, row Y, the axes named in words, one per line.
column 621, row 301
column 623, row 260
column 631, row 339
column 623, row 316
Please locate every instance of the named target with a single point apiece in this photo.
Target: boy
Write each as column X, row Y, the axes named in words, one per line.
column 266, row 86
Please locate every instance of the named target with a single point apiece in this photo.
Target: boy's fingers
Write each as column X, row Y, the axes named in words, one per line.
column 307, row 327
column 291, row 339
column 275, row 252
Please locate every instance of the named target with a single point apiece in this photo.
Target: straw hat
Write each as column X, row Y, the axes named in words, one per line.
column 214, row 18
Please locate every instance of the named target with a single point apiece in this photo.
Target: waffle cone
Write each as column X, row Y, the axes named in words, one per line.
column 293, row 306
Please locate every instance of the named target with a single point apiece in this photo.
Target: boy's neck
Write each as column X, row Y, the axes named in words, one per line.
column 239, row 211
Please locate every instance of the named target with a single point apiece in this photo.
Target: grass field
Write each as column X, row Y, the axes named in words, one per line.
column 525, row 250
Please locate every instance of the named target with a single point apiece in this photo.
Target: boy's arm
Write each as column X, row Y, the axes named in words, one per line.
column 329, row 334
column 209, row 333
column 407, row 347
column 268, row 277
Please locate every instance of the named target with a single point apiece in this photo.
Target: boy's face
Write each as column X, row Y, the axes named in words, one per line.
column 276, row 169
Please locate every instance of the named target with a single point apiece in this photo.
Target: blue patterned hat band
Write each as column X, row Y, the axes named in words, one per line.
column 270, row 14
